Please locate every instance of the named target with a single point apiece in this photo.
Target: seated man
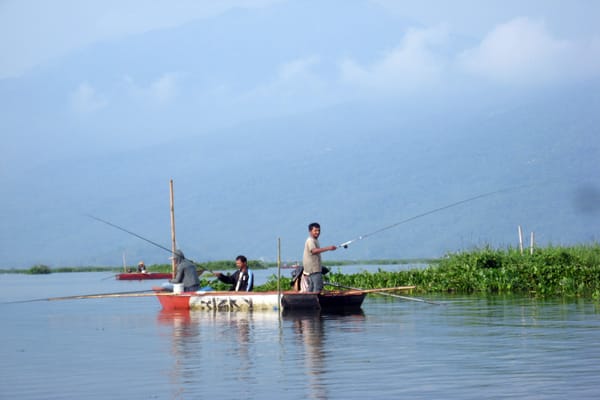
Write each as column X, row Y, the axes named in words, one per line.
column 242, row 280
column 142, row 267
column 186, row 273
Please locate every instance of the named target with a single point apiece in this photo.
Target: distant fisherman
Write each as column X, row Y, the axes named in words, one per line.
column 142, row 267
column 311, row 260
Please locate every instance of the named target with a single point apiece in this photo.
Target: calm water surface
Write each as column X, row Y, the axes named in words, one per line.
column 470, row 348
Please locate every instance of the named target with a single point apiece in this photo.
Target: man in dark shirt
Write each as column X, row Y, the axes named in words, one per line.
column 242, row 280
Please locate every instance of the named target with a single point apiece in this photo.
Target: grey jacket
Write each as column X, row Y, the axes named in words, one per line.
column 186, row 274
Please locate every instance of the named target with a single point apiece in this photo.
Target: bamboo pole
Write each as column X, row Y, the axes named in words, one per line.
column 140, row 293
column 410, row 298
column 381, row 289
column 173, row 240
column 520, row 239
column 531, row 243
column 279, row 272
column 109, row 295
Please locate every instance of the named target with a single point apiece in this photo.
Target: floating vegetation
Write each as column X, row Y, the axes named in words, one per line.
column 551, row 271
column 39, row 269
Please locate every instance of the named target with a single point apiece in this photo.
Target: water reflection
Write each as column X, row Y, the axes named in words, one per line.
column 209, row 346
column 183, row 335
column 309, row 330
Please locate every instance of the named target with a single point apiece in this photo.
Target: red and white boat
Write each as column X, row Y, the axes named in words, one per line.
column 338, row 301
column 327, row 301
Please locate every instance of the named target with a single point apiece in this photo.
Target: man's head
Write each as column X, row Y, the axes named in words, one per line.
column 178, row 256
column 314, row 229
column 241, row 262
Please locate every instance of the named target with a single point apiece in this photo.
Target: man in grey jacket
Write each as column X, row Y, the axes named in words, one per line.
column 186, row 273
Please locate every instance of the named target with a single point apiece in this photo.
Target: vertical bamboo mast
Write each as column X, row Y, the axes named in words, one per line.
column 173, row 241
column 279, row 272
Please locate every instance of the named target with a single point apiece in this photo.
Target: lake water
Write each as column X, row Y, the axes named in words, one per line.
column 471, row 347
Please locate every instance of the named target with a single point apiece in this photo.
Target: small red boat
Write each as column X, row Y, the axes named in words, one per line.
column 138, row 276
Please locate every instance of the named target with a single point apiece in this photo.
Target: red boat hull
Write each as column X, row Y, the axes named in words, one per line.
column 138, row 276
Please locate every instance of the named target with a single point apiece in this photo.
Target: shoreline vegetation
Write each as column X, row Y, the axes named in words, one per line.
column 548, row 272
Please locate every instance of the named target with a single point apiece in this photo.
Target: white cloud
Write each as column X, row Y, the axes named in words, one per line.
column 413, row 65
column 300, row 68
column 160, row 92
column 86, row 100
column 296, row 86
column 164, row 90
column 522, row 51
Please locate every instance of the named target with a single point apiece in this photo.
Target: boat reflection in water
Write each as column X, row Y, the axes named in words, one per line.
column 219, row 346
column 309, row 334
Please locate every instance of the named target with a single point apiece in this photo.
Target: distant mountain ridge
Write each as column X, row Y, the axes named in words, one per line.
column 234, row 197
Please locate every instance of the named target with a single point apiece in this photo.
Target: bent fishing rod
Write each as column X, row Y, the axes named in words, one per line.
column 385, row 228
column 140, row 237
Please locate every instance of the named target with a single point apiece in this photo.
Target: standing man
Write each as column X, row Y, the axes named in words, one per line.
column 186, row 273
column 311, row 259
column 242, row 280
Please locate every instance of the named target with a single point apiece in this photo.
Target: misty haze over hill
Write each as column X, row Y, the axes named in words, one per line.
column 239, row 194
column 267, row 123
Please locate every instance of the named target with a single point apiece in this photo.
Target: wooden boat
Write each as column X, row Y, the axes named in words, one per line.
column 138, row 276
column 328, row 301
column 339, row 301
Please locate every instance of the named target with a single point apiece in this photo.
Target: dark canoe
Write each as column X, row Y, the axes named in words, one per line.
column 335, row 301
column 138, row 276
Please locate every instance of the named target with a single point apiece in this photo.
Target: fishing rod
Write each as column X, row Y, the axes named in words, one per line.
column 385, row 228
column 140, row 237
column 385, row 294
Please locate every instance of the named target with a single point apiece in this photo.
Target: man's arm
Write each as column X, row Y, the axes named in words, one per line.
column 319, row 250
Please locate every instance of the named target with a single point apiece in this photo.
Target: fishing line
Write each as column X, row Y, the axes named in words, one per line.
column 131, row 233
column 137, row 236
column 345, row 244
